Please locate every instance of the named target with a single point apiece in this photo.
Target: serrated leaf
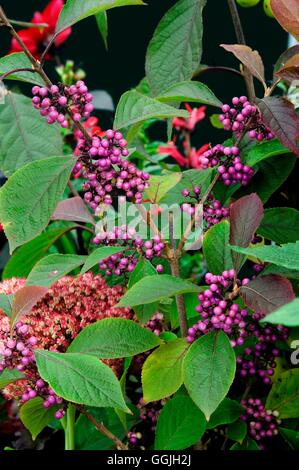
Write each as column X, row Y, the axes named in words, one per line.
column 227, row 412
column 153, row 288
column 175, row 50
column 143, row 268
column 263, row 151
column 266, row 293
column 194, row 92
column 51, row 268
column 180, row 424
column 162, row 372
column 24, row 299
column 216, row 248
column 237, row 431
column 250, row 58
column 98, row 254
column 209, row 368
column 284, row 395
column 19, row 60
column 189, row 180
column 280, row 116
column 245, row 217
column 25, row 137
column 287, row 14
column 35, row 416
column 285, row 255
column 80, row 379
column 280, row 224
column 112, row 338
column 160, row 185
column 24, row 259
column 287, row 315
column 135, row 107
column 6, row 301
column 43, row 182
column 76, row 10
column 73, row 209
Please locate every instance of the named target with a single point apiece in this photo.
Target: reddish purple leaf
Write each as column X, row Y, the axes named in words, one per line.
column 267, row 293
column 287, row 14
column 251, row 59
column 73, row 209
column 280, row 116
column 24, row 300
column 285, row 60
column 289, row 74
column 245, row 217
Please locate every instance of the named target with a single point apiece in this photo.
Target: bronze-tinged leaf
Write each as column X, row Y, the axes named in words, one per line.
column 250, row 58
column 73, row 209
column 24, row 300
column 280, row 116
column 245, row 217
column 267, row 293
column 287, row 14
column 286, row 58
column 289, row 74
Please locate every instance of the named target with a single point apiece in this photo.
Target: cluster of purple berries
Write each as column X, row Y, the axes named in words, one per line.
column 263, row 423
column 121, row 263
column 259, row 360
column 18, row 353
column 103, row 165
column 244, row 116
column 218, row 312
column 155, row 324
column 213, row 211
column 149, row 413
column 134, row 437
column 231, row 169
column 54, row 102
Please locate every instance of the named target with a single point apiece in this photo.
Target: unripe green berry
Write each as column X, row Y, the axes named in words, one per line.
column 267, row 8
column 248, row 3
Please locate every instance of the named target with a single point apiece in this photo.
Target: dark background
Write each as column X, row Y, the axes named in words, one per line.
column 131, row 28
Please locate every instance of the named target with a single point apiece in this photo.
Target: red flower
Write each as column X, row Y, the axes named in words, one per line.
column 196, row 115
column 192, row 160
column 36, row 39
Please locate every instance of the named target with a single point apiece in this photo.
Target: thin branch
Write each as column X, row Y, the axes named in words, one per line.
column 26, row 24
column 102, row 429
column 241, row 40
column 73, row 189
column 49, row 45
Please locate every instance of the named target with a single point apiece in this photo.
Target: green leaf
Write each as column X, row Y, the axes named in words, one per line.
column 9, row 376
column 162, row 373
column 180, row 424
column 291, row 437
column 19, row 60
column 196, row 92
column 284, row 395
column 80, row 379
column 272, row 173
column 175, row 50
column 143, row 268
column 216, row 248
column 285, row 255
column 281, row 225
column 76, row 10
column 6, row 301
column 248, row 444
column 24, row 259
column 102, row 22
column 227, row 412
column 43, row 182
column 263, row 151
column 98, row 254
column 237, row 431
column 25, row 137
column 135, row 107
column 287, row 315
column 51, row 268
column 160, row 185
column 35, row 416
column 114, row 338
column 190, row 178
column 209, row 368
column 153, row 288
